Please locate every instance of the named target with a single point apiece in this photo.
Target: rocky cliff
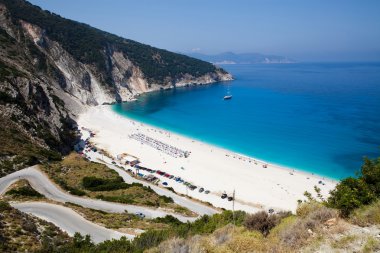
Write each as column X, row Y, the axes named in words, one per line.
column 52, row 68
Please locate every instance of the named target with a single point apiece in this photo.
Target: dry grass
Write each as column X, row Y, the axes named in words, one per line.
column 306, row 227
column 305, row 208
column 344, row 242
column 73, row 168
column 228, row 239
column 371, row 245
column 174, row 245
column 367, row 215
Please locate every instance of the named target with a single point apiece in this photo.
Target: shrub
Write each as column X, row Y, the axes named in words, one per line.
column 101, row 184
column 174, row 245
column 24, row 191
column 29, row 226
column 296, row 234
column 208, row 224
column 370, row 174
column 322, row 214
column 120, row 199
column 4, row 206
column 168, row 219
column 248, row 242
column 261, row 221
column 77, row 192
column 222, row 235
column 150, row 239
column 352, row 193
column 166, row 199
column 305, row 208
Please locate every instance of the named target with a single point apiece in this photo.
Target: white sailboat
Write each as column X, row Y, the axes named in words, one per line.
column 228, row 96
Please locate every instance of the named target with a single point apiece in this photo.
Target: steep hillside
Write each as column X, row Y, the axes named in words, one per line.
column 20, row 232
column 52, row 68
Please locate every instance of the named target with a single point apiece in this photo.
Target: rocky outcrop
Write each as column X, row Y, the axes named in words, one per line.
column 79, row 79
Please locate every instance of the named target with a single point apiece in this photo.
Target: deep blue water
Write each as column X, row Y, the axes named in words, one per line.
column 320, row 118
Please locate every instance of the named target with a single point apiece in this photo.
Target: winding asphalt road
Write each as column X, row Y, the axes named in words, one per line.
column 41, row 183
column 69, row 221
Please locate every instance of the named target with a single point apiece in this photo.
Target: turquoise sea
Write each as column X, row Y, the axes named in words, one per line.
column 317, row 117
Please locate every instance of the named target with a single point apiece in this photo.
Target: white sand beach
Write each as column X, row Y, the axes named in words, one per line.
column 207, row 166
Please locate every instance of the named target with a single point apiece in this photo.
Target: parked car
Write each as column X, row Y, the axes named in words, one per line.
column 201, row 189
column 230, row 198
column 271, row 210
column 165, row 183
column 224, row 195
column 207, row 191
column 141, row 215
column 113, row 162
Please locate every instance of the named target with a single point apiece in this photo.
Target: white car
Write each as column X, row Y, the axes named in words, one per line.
column 141, row 215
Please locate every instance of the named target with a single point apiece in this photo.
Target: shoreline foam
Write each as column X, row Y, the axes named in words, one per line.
column 273, row 187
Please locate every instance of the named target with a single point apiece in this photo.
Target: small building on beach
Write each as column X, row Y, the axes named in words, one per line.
column 127, row 159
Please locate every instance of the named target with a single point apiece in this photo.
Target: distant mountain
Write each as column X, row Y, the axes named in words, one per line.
column 246, row 58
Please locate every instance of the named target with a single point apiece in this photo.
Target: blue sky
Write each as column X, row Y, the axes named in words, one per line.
column 313, row 30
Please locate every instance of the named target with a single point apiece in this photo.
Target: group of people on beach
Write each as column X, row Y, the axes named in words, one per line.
column 159, row 145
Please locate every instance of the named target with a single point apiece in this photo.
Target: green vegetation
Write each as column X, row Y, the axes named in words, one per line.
column 92, row 46
column 18, row 150
column 24, row 191
column 168, row 219
column 352, row 193
column 101, row 184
